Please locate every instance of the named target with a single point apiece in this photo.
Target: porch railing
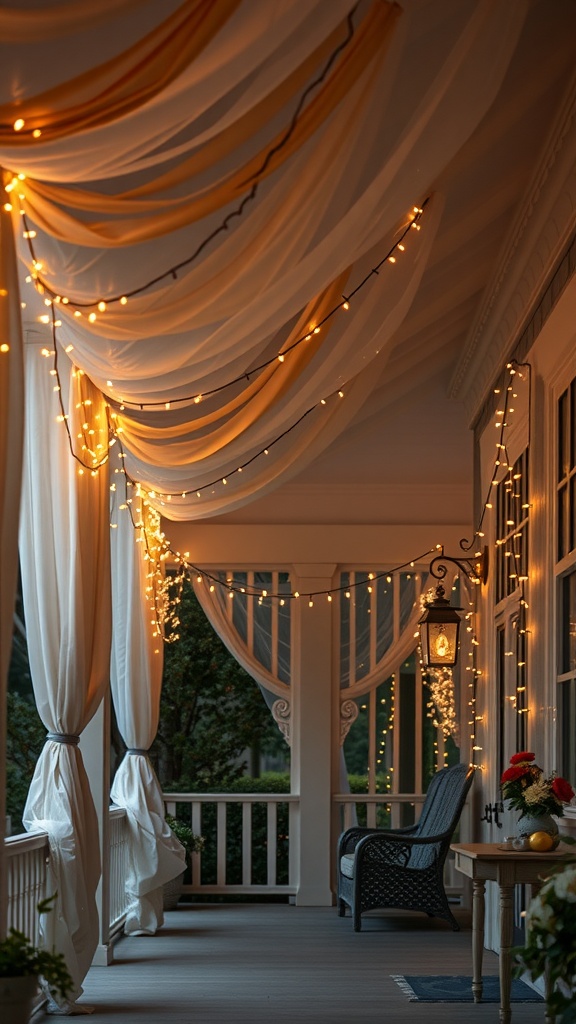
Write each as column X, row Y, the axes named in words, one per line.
column 27, row 859
column 249, row 841
column 118, row 903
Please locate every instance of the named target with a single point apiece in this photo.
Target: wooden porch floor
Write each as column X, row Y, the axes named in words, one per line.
column 274, row 963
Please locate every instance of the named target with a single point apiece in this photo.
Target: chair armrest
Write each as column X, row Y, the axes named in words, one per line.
column 395, row 849
column 349, row 839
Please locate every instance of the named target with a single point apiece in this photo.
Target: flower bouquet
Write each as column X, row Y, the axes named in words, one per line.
column 531, row 792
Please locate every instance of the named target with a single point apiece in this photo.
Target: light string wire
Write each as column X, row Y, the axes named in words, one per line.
column 173, row 271
column 413, row 222
column 510, row 481
column 513, row 366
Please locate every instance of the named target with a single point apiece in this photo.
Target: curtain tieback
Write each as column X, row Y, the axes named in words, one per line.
column 137, row 750
column 63, row 737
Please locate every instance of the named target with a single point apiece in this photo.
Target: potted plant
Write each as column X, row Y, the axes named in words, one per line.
column 192, row 843
column 22, row 964
column 550, row 949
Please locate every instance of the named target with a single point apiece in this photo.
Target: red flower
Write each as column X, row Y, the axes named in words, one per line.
column 562, row 789
column 525, row 755
column 515, row 772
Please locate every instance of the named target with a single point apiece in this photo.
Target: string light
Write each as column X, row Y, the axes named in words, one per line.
column 257, row 177
column 247, row 375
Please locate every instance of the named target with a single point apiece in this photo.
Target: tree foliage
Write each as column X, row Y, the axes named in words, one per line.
column 211, row 710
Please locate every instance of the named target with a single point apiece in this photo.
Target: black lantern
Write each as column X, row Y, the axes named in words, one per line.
column 439, row 632
column 440, row 623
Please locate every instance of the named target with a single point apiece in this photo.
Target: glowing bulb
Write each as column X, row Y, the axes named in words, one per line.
column 18, row 124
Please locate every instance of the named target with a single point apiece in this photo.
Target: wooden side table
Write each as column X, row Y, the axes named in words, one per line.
column 484, row 862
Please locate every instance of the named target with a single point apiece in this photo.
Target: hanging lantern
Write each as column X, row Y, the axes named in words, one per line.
column 439, row 632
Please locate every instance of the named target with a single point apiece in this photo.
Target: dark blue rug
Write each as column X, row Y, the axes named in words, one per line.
column 458, row 989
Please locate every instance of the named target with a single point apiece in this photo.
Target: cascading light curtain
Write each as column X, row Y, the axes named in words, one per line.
column 137, row 138
column 64, row 555
column 155, row 856
column 11, row 433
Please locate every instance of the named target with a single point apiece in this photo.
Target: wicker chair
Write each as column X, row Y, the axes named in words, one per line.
column 403, row 868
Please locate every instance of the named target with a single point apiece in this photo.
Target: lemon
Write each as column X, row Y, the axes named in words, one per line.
column 541, row 842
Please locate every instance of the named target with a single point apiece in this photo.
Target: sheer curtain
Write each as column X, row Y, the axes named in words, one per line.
column 141, row 136
column 11, row 429
column 155, row 855
column 64, row 552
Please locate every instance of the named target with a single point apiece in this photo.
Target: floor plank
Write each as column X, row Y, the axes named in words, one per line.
column 269, row 963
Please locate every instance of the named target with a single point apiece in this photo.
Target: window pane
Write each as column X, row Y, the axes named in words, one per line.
column 561, row 520
column 362, row 616
column 385, row 613
column 407, row 597
column 563, row 436
column 573, row 424
column 568, row 708
column 568, row 643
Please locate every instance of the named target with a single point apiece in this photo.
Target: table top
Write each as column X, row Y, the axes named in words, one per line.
column 493, row 851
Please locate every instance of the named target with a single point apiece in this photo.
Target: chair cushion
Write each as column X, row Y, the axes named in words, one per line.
column 347, row 865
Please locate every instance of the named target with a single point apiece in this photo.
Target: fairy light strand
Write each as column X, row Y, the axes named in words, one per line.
column 233, row 214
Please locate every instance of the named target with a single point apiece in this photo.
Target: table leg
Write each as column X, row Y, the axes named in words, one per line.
column 506, row 931
column 478, row 890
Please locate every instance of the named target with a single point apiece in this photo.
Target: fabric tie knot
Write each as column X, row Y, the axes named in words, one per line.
column 63, row 737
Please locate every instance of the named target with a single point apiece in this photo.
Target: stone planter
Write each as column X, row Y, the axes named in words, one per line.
column 17, row 998
column 172, row 891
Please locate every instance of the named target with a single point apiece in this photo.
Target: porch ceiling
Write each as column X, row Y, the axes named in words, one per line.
column 403, row 450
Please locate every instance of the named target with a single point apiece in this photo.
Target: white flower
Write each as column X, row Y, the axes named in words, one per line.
column 540, row 915
column 564, row 885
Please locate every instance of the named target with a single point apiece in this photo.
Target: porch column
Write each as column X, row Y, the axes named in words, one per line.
column 95, row 744
column 311, row 733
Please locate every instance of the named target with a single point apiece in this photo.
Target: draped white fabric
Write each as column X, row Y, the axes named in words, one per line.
column 215, row 613
column 155, row 856
column 11, row 430
column 120, row 193
column 64, row 551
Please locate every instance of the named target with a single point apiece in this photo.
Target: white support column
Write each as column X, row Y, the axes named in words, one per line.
column 312, row 732
column 95, row 746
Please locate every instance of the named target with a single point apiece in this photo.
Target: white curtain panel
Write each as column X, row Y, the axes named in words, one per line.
column 155, row 856
column 214, row 610
column 11, row 431
column 64, row 552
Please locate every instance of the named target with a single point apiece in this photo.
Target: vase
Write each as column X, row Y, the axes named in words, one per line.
column 530, row 823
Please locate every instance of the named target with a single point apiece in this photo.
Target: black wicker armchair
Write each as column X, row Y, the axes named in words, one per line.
column 403, row 868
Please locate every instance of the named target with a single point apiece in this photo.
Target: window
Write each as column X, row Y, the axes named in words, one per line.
column 512, row 507
column 567, row 674
column 566, row 583
column 566, row 475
